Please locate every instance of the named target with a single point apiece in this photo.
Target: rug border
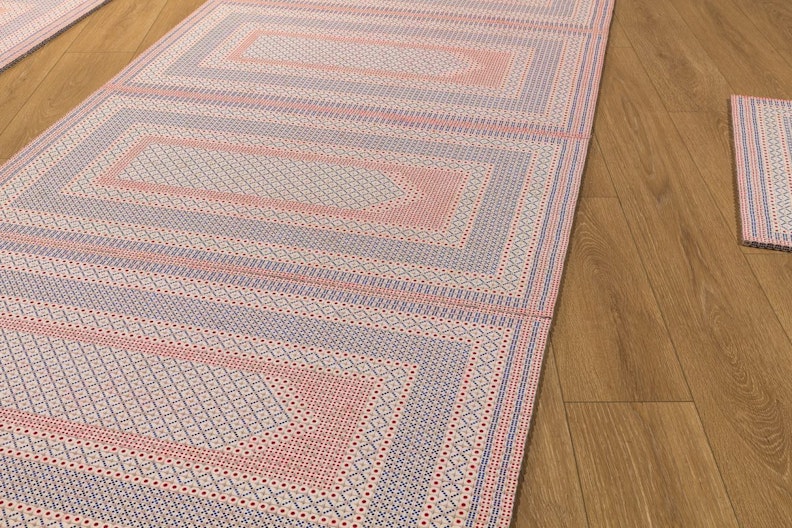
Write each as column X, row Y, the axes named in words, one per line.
column 756, row 235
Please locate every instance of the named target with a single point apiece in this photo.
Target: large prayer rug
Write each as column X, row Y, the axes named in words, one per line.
column 763, row 147
column 295, row 267
column 27, row 24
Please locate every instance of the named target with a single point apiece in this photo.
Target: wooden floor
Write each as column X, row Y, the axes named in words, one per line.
column 667, row 393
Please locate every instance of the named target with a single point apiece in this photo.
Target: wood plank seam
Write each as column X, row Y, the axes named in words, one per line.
column 574, row 450
column 665, row 322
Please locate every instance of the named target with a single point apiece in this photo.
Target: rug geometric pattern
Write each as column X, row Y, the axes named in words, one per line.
column 295, row 266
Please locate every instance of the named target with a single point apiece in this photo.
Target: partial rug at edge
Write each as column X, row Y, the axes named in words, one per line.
column 27, row 24
column 295, row 266
column 763, row 147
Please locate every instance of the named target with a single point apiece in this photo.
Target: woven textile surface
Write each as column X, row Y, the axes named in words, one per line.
column 26, row 24
column 295, row 267
column 763, row 147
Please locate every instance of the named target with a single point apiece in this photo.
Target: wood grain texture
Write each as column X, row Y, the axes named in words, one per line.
column 733, row 350
column 617, row 38
column 611, row 344
column 647, row 464
column 549, row 494
column 173, row 12
column 774, row 19
column 596, row 178
column 70, row 82
column 773, row 269
column 675, row 60
column 737, row 48
column 18, row 81
column 119, row 26
column 708, row 136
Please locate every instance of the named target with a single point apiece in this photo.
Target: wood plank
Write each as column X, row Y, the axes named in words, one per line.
column 750, row 250
column 609, row 337
column 549, row 492
column 617, row 38
column 596, row 179
column 172, row 13
column 678, row 65
column 733, row 350
column 120, row 26
column 21, row 79
column 773, row 269
column 738, row 48
column 708, row 136
column 647, row 464
column 774, row 19
column 70, row 82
